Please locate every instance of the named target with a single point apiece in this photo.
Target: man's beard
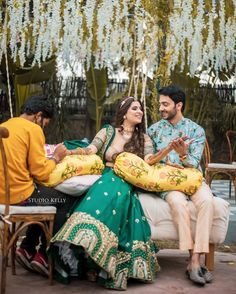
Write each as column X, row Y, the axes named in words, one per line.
column 170, row 115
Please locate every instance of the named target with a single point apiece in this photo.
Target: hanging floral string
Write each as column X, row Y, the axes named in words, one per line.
column 4, row 47
column 102, row 31
column 189, row 42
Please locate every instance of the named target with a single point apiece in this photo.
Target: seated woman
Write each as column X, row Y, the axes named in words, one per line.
column 108, row 235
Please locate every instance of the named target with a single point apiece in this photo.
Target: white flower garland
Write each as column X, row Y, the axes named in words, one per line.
column 115, row 36
column 209, row 48
column 230, row 42
column 104, row 30
column 196, row 42
column 2, row 50
column 89, row 16
column 15, row 14
column 218, row 52
column 126, row 38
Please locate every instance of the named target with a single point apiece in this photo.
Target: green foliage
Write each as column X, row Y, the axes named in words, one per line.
column 226, row 119
column 97, row 86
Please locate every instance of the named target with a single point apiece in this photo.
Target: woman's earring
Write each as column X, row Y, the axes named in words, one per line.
column 124, row 117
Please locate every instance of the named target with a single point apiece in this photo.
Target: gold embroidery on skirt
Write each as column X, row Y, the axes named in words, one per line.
column 102, row 245
column 84, row 230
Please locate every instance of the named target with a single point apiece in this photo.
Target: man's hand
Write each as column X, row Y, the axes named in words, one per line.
column 180, row 145
column 60, row 152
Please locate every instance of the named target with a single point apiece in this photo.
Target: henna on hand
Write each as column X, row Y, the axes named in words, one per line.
column 159, row 155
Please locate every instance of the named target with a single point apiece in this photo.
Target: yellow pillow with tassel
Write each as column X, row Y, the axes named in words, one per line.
column 158, row 177
column 75, row 165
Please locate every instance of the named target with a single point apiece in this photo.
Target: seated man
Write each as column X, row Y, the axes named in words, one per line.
column 174, row 129
column 27, row 163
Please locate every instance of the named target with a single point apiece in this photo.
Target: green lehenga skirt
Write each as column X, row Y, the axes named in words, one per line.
column 110, row 228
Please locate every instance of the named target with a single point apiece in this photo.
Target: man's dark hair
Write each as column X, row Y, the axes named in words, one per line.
column 175, row 93
column 36, row 104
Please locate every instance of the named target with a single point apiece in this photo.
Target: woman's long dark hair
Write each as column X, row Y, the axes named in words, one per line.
column 136, row 142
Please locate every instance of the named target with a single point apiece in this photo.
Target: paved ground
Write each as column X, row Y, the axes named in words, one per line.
column 170, row 280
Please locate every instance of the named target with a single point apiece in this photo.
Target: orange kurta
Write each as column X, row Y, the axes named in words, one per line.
column 26, row 159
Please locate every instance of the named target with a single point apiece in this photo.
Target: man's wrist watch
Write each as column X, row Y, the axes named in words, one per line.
column 182, row 157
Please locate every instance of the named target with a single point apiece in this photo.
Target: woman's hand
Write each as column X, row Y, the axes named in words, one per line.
column 157, row 157
column 77, row 151
column 59, row 153
column 69, row 152
column 81, row 151
column 168, row 162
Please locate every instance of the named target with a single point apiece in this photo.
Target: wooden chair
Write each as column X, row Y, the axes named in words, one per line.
column 205, row 162
column 212, row 169
column 231, row 139
column 14, row 219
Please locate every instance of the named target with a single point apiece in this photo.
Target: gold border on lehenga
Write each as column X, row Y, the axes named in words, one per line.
column 101, row 244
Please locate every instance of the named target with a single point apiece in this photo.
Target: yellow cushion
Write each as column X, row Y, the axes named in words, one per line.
column 158, row 177
column 75, row 165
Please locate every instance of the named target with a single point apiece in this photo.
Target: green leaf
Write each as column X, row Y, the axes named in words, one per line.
column 97, row 81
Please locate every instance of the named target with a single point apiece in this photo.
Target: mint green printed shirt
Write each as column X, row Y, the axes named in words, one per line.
column 163, row 132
